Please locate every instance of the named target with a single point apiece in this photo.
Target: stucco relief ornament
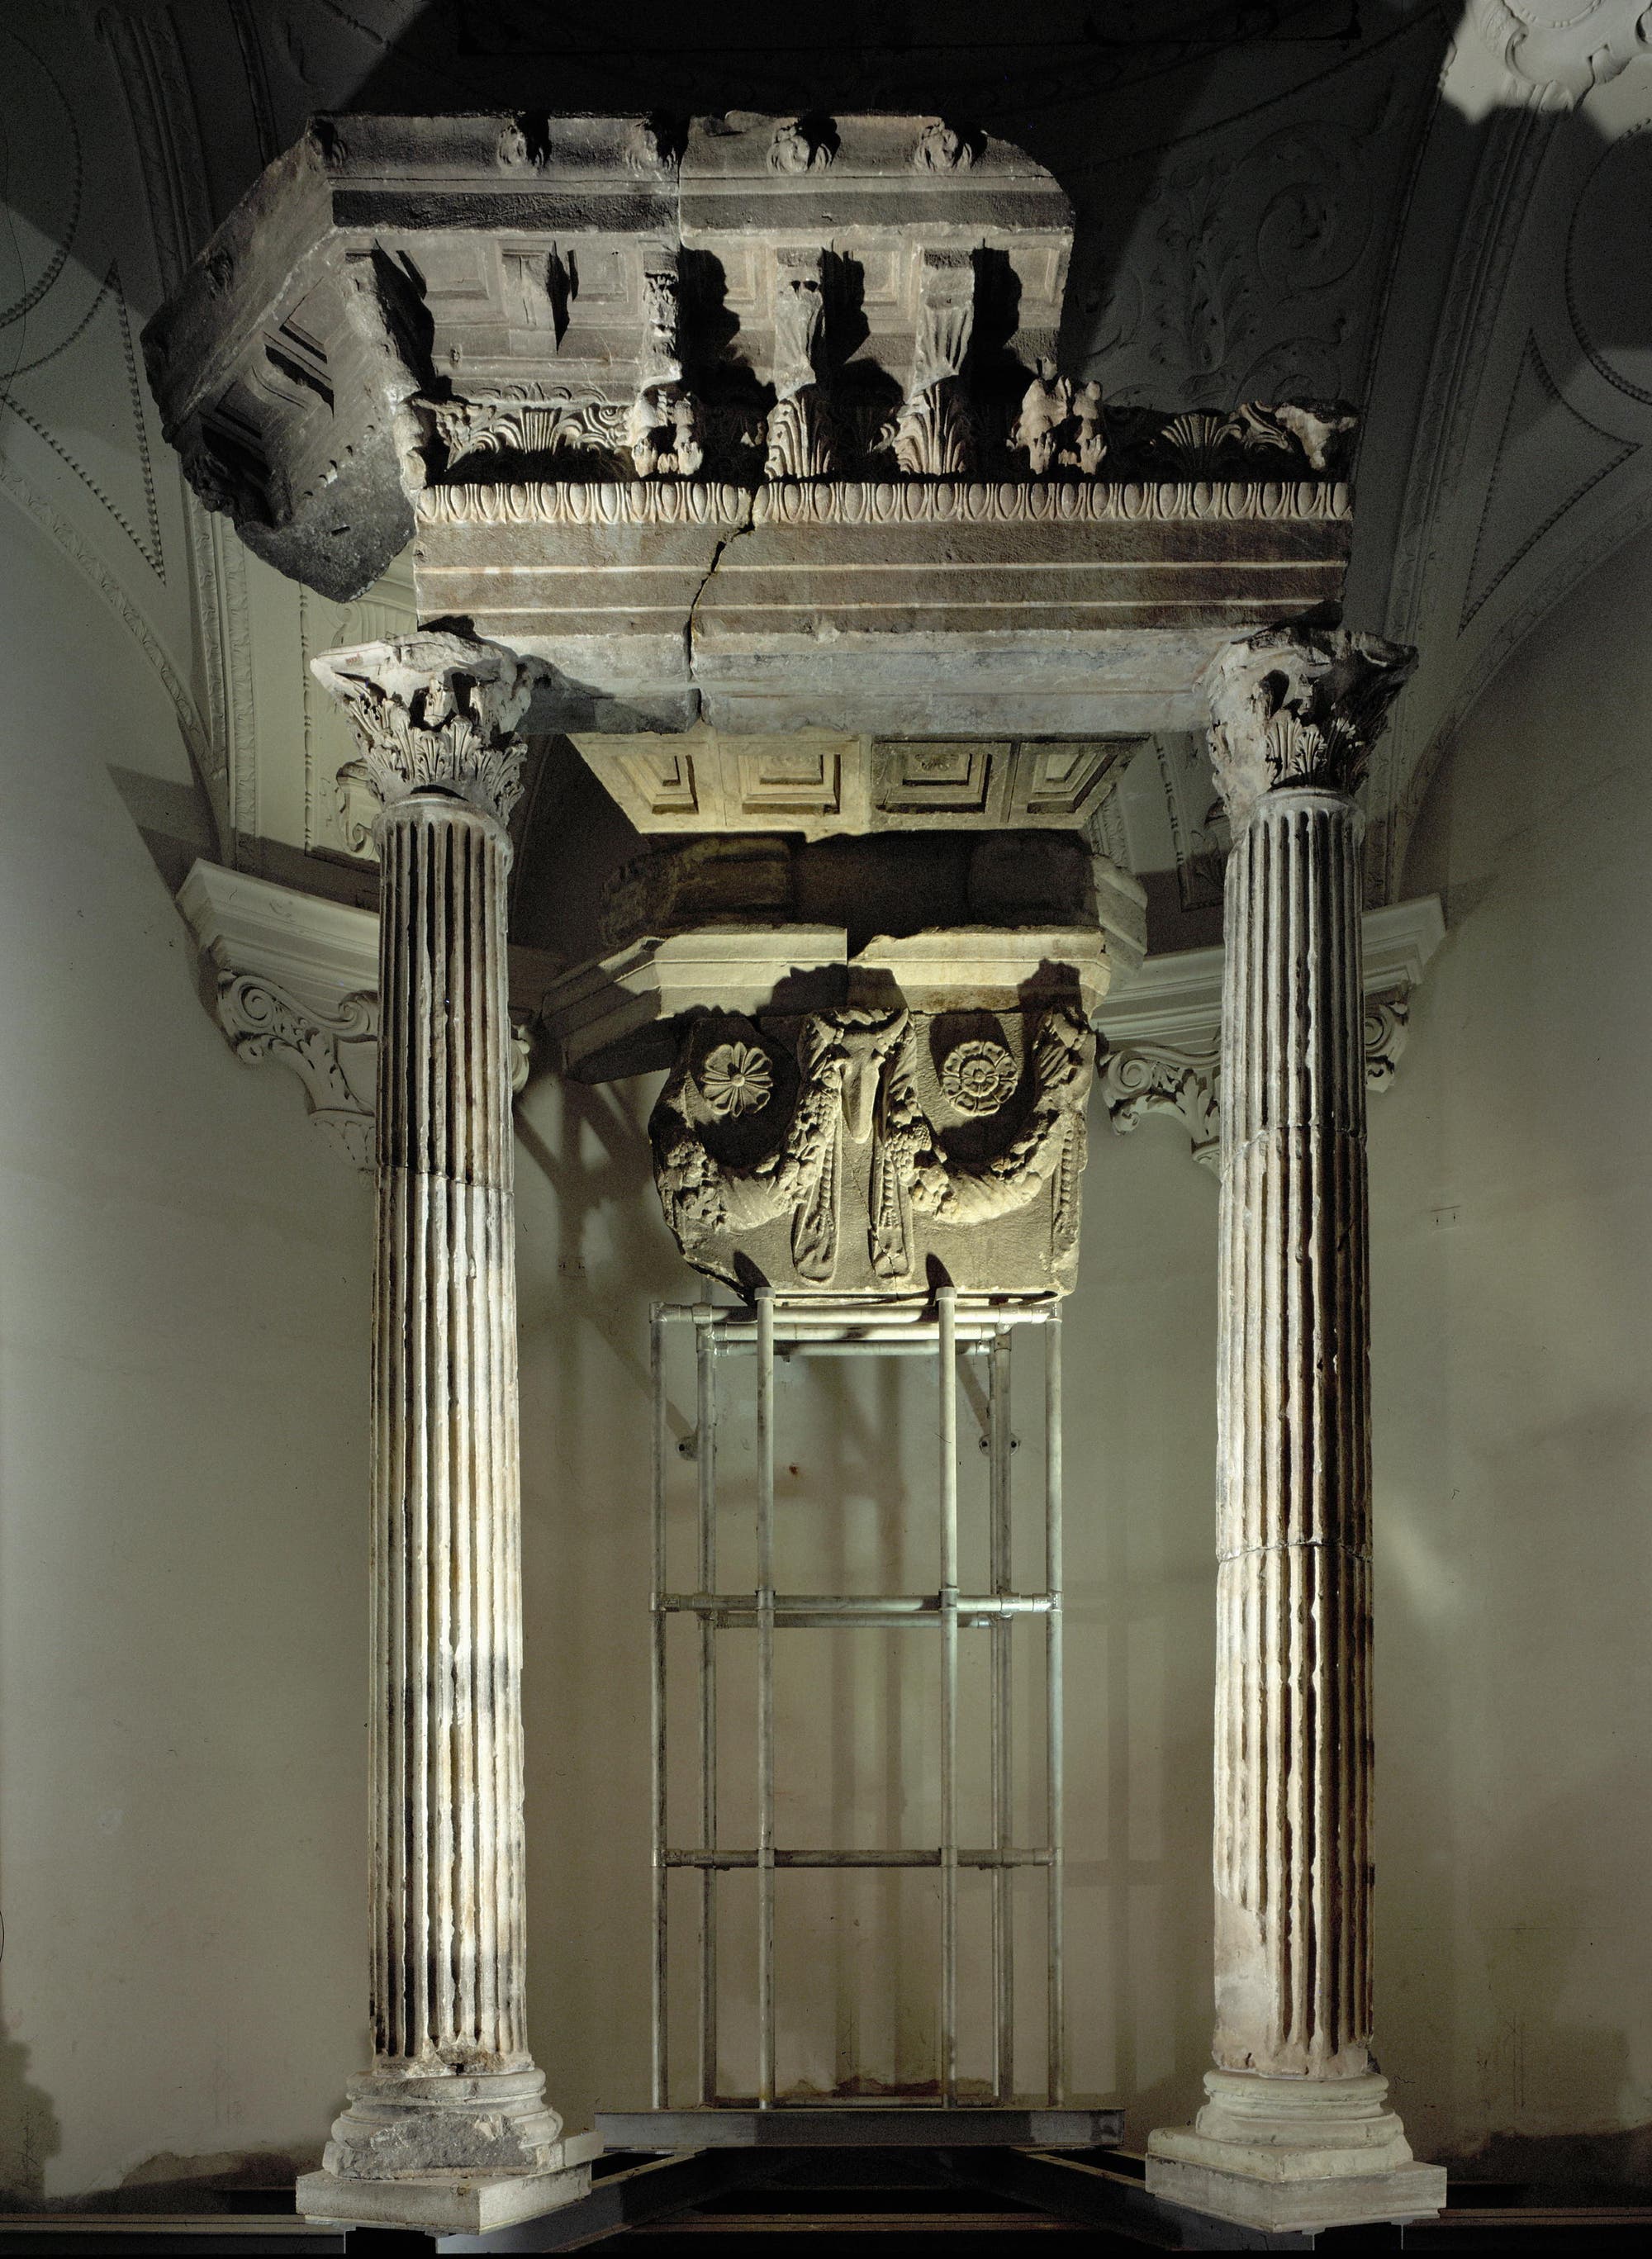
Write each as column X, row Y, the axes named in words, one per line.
column 1556, row 51
column 1300, row 706
column 434, row 714
column 977, row 1075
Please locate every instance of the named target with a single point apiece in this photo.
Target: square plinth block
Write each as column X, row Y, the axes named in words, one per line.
column 450, row 2204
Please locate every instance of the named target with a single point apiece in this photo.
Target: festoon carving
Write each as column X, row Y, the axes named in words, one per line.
column 1300, row 706
column 829, row 1144
column 435, row 714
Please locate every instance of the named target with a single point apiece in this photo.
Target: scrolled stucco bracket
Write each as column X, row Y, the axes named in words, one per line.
column 1161, row 1025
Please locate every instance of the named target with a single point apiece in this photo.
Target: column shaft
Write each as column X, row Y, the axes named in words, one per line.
column 1295, row 2133
column 1293, row 1848
column 446, row 1744
column 450, row 2130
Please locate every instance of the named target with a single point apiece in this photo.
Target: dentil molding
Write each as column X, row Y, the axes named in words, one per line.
column 1162, row 1023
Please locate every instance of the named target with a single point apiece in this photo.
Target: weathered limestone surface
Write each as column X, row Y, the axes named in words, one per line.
column 453, row 2101
column 757, row 424
column 1294, row 2132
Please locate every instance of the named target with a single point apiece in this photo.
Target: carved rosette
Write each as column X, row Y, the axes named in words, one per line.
column 435, row 715
column 852, row 1148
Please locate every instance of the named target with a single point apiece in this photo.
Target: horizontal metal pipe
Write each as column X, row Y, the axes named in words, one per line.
column 992, row 1856
column 832, row 1608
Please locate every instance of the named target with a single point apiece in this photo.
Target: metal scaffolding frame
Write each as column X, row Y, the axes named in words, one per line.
column 943, row 1326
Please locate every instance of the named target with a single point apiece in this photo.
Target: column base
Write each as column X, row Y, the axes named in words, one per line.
column 1294, row 2154
column 454, row 2203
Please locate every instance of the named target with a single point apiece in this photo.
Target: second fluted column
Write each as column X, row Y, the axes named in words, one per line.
column 1296, row 2132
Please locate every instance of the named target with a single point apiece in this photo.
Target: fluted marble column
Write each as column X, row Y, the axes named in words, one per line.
column 451, row 2127
column 1296, row 2132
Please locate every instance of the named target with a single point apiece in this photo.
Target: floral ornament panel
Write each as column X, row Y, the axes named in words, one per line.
column 736, row 1079
column 978, row 1076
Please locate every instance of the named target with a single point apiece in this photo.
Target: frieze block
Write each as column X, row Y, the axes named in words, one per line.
column 867, row 1147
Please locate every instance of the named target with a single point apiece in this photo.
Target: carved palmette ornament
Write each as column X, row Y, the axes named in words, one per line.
column 821, row 1165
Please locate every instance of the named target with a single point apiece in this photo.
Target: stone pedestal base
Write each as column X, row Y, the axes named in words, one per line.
column 404, row 2126
column 450, row 2204
column 1294, row 2153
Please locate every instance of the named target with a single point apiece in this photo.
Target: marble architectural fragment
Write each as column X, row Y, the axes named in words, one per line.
column 872, row 1148
column 821, row 783
column 453, row 2114
column 724, row 432
column 1295, row 2132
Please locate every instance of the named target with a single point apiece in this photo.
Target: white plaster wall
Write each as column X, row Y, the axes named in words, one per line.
column 182, row 1543
column 1511, row 1190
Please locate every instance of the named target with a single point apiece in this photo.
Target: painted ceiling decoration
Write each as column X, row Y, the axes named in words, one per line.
column 1432, row 211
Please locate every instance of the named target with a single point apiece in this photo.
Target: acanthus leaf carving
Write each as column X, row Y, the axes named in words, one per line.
column 1300, row 706
column 435, row 713
column 802, row 442
column 936, row 431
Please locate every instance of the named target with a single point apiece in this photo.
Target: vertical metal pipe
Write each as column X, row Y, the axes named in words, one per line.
column 706, row 1415
column 657, row 1694
column 765, row 1694
column 946, row 1306
column 999, row 1441
column 1054, row 1714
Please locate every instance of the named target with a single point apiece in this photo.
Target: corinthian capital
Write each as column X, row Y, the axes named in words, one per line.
column 435, row 714
column 1300, row 705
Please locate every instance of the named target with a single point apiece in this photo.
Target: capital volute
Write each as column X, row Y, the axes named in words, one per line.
column 1300, row 706
column 435, row 716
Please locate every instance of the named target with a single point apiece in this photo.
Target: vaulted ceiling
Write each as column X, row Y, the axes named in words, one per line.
column 1436, row 211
